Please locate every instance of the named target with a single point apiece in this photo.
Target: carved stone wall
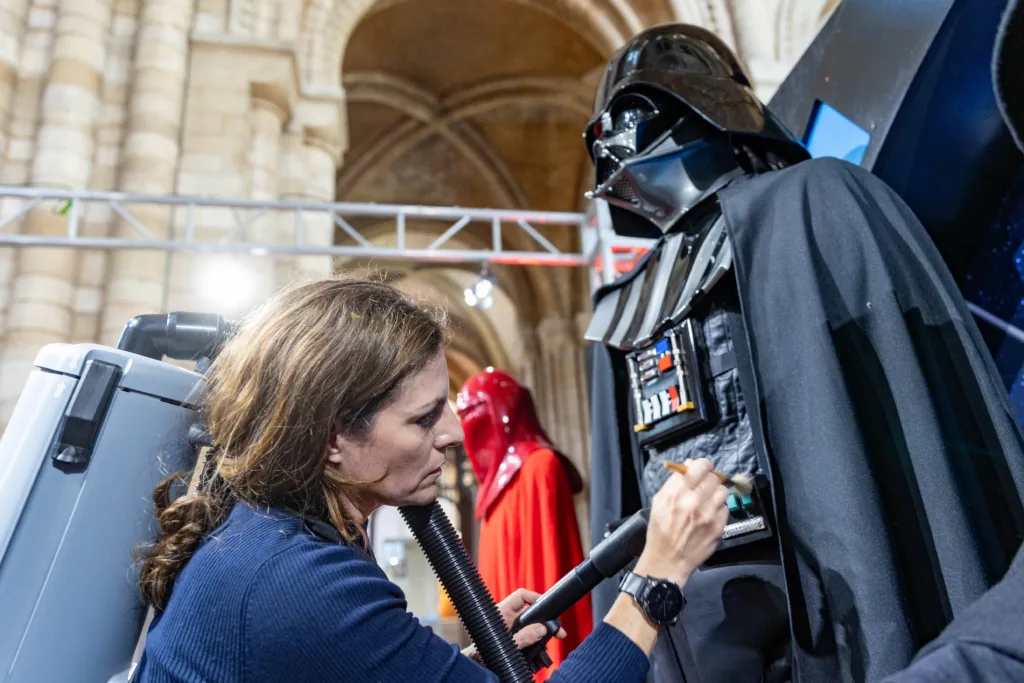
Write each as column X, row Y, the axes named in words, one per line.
column 470, row 102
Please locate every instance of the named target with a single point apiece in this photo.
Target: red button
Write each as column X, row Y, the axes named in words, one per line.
column 664, row 363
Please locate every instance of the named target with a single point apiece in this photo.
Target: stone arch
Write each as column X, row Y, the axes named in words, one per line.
column 691, row 12
column 454, row 117
column 460, row 368
column 273, row 19
column 480, row 338
column 473, row 335
column 328, row 24
column 429, row 116
column 796, row 24
column 502, row 318
column 827, row 10
column 519, row 284
column 605, row 24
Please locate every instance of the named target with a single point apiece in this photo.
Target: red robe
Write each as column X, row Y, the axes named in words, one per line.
column 531, row 539
column 529, row 536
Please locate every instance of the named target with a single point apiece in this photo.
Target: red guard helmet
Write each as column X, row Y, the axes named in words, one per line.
column 501, row 426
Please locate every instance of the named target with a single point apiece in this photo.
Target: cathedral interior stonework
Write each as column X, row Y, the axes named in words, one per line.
column 472, row 103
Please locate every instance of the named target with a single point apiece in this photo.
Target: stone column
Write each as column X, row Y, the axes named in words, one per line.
column 309, row 161
column 196, row 280
column 149, row 158
column 583, row 388
column 22, row 123
column 99, row 218
column 290, row 188
column 44, row 286
column 562, row 368
column 13, row 14
column 563, row 357
column 270, row 112
column 527, row 370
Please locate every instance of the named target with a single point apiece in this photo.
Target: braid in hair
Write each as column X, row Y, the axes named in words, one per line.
column 184, row 523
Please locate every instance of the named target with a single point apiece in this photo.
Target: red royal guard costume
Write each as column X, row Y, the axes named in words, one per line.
column 529, row 537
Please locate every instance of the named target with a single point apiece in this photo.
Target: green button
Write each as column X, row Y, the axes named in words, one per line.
column 732, row 503
column 747, row 501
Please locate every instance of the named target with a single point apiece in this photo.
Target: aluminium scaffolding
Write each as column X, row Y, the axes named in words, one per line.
column 189, row 234
column 601, row 249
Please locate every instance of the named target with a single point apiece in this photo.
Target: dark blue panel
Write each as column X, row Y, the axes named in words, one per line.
column 995, row 282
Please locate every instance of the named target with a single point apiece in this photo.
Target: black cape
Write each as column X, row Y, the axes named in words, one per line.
column 896, row 465
column 984, row 644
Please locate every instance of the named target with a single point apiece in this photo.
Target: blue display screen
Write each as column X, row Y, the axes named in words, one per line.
column 830, row 134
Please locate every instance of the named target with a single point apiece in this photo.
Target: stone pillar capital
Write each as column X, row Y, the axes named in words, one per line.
column 326, row 140
column 272, row 97
column 324, row 124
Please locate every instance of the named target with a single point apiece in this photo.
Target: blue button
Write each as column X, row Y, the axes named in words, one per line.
column 747, row 501
column 732, row 503
column 662, row 347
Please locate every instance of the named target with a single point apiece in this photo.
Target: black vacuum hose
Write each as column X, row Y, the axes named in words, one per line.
column 460, row 579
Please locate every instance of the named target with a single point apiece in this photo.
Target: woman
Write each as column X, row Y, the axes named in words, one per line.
column 330, row 402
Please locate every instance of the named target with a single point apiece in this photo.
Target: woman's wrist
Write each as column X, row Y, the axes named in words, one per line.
column 474, row 654
column 627, row 617
column 678, row 572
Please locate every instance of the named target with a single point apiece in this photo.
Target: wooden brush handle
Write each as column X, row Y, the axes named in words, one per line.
column 680, row 468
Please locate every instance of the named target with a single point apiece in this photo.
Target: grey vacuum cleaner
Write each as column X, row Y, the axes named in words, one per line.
column 94, row 430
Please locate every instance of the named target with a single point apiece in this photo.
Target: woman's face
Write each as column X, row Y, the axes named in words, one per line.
column 407, row 443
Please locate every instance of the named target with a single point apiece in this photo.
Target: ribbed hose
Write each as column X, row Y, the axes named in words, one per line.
column 460, row 579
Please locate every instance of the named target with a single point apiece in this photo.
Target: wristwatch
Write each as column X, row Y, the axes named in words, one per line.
column 660, row 599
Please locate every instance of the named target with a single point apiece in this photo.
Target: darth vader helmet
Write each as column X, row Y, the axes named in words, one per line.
column 671, row 113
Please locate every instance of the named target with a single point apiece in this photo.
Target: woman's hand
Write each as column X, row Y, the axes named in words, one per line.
column 510, row 608
column 687, row 519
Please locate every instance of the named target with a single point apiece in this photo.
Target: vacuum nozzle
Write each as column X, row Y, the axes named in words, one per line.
column 178, row 335
column 620, row 547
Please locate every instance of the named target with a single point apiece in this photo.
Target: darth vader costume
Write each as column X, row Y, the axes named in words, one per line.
column 528, row 532
column 792, row 322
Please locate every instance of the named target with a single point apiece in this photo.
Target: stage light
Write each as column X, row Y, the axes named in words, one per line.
column 228, row 284
column 480, row 294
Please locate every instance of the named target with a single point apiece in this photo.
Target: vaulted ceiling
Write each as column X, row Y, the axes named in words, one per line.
column 466, row 102
column 481, row 103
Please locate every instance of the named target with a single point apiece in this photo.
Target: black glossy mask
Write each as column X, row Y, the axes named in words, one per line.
column 656, row 159
column 667, row 111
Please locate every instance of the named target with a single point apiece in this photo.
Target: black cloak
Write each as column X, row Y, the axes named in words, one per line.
column 985, row 644
column 896, row 464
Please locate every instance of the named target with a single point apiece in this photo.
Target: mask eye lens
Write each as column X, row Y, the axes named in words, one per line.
column 630, row 125
column 631, row 118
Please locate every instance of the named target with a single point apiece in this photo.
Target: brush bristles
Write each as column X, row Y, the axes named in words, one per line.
column 741, row 483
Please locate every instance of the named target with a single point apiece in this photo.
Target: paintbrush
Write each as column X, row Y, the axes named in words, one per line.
column 740, row 482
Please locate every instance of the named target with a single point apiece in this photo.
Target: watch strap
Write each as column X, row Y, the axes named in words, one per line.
column 634, row 585
column 639, row 588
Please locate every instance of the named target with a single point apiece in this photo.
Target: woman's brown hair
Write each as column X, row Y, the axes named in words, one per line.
column 316, row 358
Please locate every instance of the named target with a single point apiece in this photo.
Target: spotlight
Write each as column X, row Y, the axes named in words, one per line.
column 229, row 284
column 479, row 295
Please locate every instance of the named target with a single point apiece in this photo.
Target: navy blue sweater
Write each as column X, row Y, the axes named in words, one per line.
column 265, row 600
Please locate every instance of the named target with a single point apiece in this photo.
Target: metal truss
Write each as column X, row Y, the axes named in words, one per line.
column 605, row 253
column 17, row 202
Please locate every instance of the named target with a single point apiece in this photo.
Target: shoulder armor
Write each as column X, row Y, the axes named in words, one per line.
column 663, row 288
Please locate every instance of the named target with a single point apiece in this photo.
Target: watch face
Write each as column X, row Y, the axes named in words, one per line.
column 664, row 601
